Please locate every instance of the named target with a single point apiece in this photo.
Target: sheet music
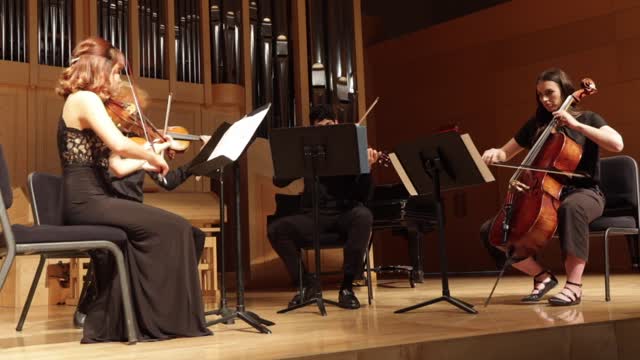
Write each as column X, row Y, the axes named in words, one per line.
column 397, row 165
column 477, row 158
column 481, row 167
column 236, row 138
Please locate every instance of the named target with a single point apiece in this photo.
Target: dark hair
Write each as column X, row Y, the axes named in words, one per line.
column 321, row 112
column 566, row 88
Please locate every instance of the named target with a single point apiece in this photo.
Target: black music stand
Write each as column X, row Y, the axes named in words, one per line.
column 311, row 152
column 239, row 136
column 441, row 162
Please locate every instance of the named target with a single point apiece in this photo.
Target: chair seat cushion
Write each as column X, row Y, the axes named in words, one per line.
column 604, row 222
column 67, row 233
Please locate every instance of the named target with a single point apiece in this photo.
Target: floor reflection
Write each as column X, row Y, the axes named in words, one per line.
column 558, row 315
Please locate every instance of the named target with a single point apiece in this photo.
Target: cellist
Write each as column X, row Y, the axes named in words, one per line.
column 581, row 199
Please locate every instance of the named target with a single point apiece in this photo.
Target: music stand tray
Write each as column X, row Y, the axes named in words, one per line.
column 311, row 152
column 226, row 145
column 438, row 163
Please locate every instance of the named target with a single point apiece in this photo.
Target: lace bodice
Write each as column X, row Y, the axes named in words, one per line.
column 81, row 147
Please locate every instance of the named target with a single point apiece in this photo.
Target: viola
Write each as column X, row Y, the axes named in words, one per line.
column 528, row 219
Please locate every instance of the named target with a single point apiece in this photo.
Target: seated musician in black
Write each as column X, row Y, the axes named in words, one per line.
column 341, row 200
column 125, row 179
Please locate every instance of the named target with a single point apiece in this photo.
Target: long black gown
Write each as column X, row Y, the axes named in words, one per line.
column 160, row 256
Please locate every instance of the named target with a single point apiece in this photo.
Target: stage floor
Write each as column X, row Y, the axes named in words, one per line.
column 594, row 329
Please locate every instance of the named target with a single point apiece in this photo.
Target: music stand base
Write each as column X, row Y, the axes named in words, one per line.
column 249, row 317
column 450, row 299
column 224, row 312
column 318, row 300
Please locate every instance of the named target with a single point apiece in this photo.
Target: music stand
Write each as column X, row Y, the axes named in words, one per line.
column 311, row 152
column 224, row 148
column 438, row 163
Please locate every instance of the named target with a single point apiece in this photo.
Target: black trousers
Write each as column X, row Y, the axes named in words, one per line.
column 578, row 208
column 288, row 233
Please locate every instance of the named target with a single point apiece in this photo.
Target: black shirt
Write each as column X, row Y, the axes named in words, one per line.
column 589, row 163
column 130, row 187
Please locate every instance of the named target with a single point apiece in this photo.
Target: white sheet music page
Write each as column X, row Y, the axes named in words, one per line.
column 477, row 158
column 235, row 140
column 402, row 174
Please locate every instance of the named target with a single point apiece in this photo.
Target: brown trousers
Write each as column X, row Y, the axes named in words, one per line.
column 579, row 207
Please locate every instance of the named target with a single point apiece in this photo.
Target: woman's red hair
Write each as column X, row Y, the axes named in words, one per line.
column 94, row 62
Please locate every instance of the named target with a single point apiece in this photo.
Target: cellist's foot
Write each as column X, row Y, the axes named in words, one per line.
column 542, row 283
column 571, row 294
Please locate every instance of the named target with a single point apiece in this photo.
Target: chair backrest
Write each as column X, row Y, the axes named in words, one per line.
column 45, row 191
column 7, row 242
column 620, row 184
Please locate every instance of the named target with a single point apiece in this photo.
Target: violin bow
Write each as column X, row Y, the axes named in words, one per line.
column 525, row 167
column 166, row 117
column 363, row 119
column 137, row 104
column 139, row 110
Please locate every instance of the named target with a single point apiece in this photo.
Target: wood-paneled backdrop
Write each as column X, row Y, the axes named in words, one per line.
column 479, row 71
column 30, row 109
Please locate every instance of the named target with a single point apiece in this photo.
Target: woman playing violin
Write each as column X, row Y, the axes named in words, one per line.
column 160, row 255
column 581, row 199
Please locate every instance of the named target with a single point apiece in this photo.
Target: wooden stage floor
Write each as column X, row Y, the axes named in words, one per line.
column 505, row 330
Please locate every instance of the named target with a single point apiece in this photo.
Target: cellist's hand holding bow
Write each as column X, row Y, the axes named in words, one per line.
column 492, row 156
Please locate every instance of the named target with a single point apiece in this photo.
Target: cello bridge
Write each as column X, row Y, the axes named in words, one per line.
column 518, row 186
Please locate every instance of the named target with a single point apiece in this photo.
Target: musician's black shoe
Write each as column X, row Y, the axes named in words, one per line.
column 417, row 276
column 78, row 319
column 308, row 291
column 347, row 299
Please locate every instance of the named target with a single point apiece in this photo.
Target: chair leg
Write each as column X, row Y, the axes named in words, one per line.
column 369, row 285
column 126, row 295
column 300, row 273
column 6, row 266
column 607, row 292
column 634, row 251
column 87, row 280
column 32, row 291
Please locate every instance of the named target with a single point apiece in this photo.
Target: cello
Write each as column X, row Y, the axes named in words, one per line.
column 528, row 218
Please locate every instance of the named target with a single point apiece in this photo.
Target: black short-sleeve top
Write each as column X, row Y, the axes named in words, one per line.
column 590, row 161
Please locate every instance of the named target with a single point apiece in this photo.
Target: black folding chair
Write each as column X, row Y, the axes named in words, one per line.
column 619, row 183
column 50, row 237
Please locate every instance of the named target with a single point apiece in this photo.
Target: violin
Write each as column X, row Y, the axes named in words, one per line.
column 528, row 218
column 181, row 138
column 124, row 114
column 123, row 108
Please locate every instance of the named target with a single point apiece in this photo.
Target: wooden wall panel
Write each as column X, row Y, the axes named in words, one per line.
column 13, row 132
column 49, row 107
column 480, row 70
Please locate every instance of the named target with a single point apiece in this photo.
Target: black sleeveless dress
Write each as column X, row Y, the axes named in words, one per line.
column 160, row 256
